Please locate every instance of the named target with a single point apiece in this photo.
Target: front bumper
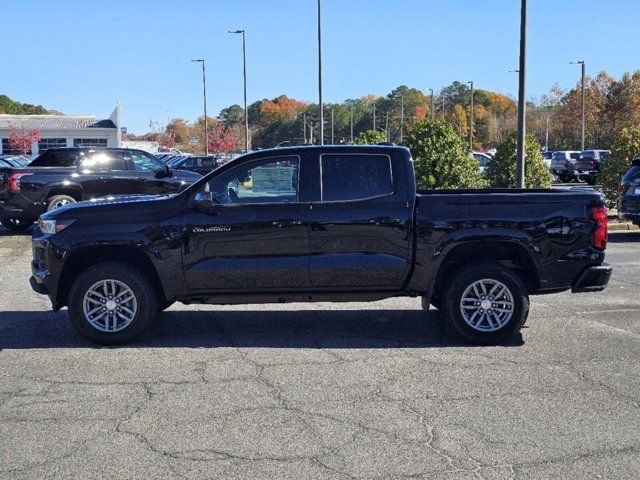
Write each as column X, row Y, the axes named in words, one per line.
column 44, row 270
column 593, row 279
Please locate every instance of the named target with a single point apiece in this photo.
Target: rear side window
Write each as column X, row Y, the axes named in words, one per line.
column 53, row 158
column 104, row 161
column 355, row 177
column 575, row 155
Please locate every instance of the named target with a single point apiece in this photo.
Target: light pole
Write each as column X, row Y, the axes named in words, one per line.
column 470, row 82
column 351, row 123
column 320, row 105
column 244, row 75
column 374, row 114
column 401, row 118
column 581, row 63
column 386, row 125
column 304, row 127
column 332, row 137
column 204, row 91
column 431, row 110
column 522, row 102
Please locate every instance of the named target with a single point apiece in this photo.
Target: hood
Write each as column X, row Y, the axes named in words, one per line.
column 186, row 175
column 107, row 204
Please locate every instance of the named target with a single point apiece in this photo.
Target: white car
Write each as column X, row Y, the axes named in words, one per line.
column 483, row 160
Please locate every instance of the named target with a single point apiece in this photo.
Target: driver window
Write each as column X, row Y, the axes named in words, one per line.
column 269, row 180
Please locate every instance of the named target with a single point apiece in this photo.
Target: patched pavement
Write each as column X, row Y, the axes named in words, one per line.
column 296, row 391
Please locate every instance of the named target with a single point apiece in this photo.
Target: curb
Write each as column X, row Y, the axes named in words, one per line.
column 622, row 227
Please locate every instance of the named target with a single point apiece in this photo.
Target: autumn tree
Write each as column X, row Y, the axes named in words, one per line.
column 221, row 138
column 21, row 139
column 178, row 129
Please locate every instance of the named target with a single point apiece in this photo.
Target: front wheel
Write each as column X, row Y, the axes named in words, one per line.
column 486, row 304
column 16, row 224
column 112, row 303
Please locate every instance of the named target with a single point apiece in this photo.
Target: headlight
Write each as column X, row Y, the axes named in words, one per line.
column 49, row 227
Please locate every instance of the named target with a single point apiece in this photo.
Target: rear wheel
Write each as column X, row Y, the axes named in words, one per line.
column 58, row 201
column 565, row 178
column 16, row 224
column 112, row 303
column 486, row 304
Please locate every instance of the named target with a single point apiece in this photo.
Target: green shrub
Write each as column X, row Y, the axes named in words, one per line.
column 626, row 145
column 370, row 137
column 501, row 171
column 441, row 158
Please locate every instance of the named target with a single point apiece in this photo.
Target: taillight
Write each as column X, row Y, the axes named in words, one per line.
column 599, row 238
column 566, row 163
column 14, row 181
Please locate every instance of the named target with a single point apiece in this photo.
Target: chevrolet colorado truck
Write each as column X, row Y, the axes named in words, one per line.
column 61, row 176
column 320, row 224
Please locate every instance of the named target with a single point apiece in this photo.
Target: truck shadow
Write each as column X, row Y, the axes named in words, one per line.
column 624, row 237
column 370, row 329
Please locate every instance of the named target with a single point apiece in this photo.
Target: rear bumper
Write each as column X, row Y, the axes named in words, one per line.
column 593, row 279
column 21, row 206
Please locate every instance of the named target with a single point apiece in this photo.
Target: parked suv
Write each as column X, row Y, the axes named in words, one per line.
column 629, row 199
column 588, row 166
column 62, row 176
column 563, row 164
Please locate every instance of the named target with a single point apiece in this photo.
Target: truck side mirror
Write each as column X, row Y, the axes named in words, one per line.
column 165, row 172
column 203, row 202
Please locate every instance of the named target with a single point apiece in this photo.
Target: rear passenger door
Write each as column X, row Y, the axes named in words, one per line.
column 360, row 225
column 103, row 173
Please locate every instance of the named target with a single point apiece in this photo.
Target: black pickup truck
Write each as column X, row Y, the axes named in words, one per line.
column 61, row 176
column 315, row 224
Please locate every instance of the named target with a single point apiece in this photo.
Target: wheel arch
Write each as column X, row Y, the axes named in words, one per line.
column 87, row 256
column 73, row 191
column 512, row 255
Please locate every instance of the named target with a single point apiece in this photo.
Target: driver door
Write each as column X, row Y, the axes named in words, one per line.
column 256, row 236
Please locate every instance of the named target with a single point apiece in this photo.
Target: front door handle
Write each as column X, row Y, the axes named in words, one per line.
column 286, row 223
column 385, row 221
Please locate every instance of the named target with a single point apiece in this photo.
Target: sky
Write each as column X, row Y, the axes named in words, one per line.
column 81, row 57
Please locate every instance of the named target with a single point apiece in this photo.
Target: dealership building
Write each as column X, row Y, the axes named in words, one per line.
column 63, row 131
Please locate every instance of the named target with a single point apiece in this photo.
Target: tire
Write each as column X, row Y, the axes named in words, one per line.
column 119, row 277
column 58, row 201
column 591, row 180
column 495, row 327
column 16, row 224
column 565, row 178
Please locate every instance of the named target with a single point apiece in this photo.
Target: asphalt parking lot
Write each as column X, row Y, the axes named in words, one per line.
column 353, row 390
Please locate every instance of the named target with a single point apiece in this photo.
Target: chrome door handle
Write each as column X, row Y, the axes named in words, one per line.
column 286, row 223
column 385, row 221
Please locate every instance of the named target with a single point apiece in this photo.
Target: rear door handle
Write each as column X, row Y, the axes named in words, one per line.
column 286, row 223
column 385, row 221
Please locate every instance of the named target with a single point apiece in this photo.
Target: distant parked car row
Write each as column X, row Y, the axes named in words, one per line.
column 14, row 161
column 570, row 165
column 193, row 163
